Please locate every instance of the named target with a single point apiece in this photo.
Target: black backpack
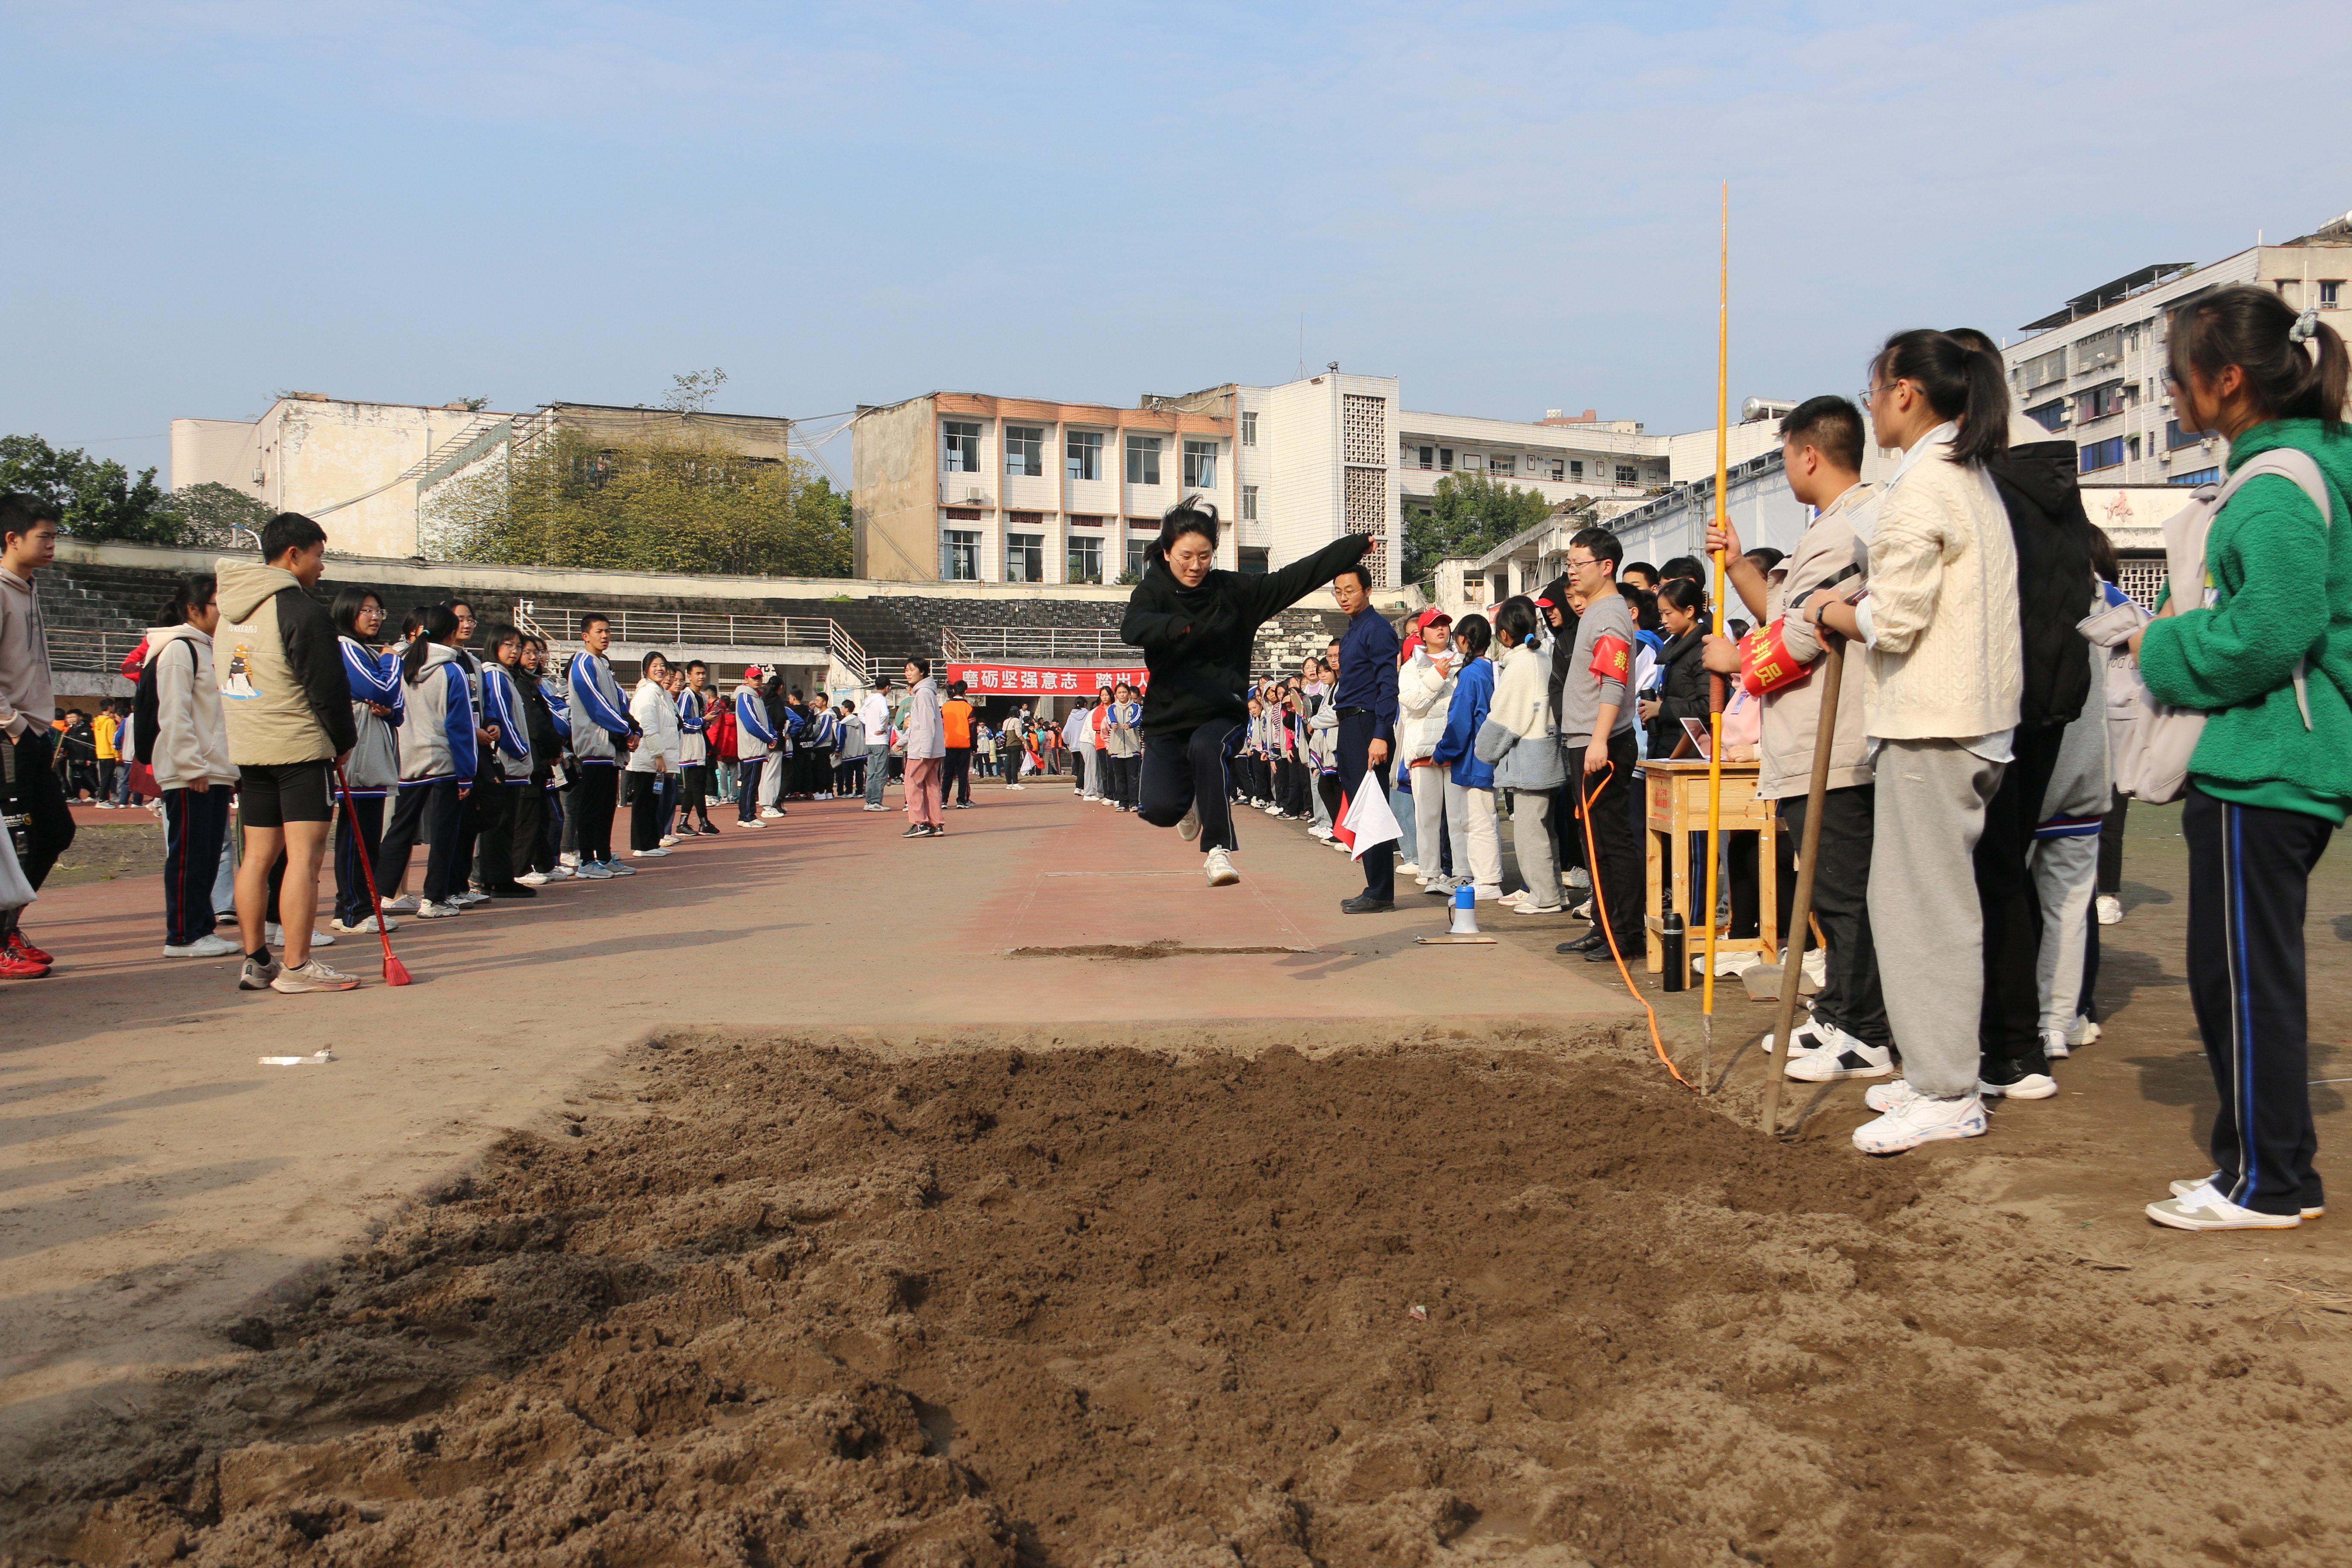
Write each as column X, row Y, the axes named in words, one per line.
column 142, row 706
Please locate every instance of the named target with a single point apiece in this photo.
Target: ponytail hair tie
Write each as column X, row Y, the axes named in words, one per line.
column 2304, row 325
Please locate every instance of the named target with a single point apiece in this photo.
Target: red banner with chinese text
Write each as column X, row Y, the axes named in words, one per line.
column 1043, row 679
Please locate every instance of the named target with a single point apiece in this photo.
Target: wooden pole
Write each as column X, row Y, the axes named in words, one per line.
column 1832, row 676
column 1722, row 569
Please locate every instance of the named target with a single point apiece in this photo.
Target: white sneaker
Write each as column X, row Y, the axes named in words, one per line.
column 1485, row 892
column 1007, row 787
column 1319, row 831
column 2055, row 1045
column 404, row 905
column 1524, row 908
column 312, row 976
column 557, row 873
column 886, row 808
column 1834, row 1056
column 755, row 822
column 1189, row 826
column 1889, row 1096
column 2033, row 1086
column 1407, row 868
column 1579, row 879
column 206, row 946
column 2083, row 1033
column 592, row 872
column 1221, row 870
column 649, row 854
column 368, row 926
column 667, row 839
column 2111, row 909
column 570, row 862
column 2205, row 1208
column 770, row 814
column 469, row 897
column 2183, row 1189
column 274, row 935
column 429, row 910
column 533, row 878
column 1921, row 1119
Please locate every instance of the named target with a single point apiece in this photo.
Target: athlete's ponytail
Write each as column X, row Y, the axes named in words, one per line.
column 2294, row 366
column 436, row 624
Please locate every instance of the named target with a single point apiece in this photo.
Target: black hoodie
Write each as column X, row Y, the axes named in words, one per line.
column 1197, row 641
column 2053, row 534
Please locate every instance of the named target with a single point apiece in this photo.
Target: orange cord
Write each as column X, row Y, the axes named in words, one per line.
column 1600, row 907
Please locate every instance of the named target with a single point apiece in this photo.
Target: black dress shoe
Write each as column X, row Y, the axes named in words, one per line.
column 1365, row 904
column 1600, row 954
column 1586, row 943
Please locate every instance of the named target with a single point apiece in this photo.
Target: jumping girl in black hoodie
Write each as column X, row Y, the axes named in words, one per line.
column 1196, row 626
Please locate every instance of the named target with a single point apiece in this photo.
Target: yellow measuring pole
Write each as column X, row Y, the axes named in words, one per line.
column 1722, row 571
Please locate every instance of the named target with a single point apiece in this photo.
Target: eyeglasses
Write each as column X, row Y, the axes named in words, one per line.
column 1576, row 565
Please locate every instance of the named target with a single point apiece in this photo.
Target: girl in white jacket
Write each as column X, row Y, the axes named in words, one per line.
column 436, row 764
column 1424, row 692
column 190, row 756
column 656, row 758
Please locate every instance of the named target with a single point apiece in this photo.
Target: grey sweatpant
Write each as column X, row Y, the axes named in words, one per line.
column 1924, row 915
column 1531, row 841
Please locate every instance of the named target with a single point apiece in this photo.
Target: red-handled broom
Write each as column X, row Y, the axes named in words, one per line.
column 394, row 972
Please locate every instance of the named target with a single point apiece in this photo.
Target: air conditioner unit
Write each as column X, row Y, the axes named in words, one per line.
column 259, row 475
column 975, row 496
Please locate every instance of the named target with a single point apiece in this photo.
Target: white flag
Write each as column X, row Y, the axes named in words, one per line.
column 1368, row 822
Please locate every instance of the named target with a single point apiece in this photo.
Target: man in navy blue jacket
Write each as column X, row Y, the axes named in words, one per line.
column 1366, row 696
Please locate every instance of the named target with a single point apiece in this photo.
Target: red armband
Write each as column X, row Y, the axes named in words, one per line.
column 1612, row 658
column 1765, row 664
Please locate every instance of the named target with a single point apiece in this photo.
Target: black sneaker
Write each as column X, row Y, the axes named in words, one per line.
column 916, row 830
column 708, row 829
column 933, row 830
column 1365, row 904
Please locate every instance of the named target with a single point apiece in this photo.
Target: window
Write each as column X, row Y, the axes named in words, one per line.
column 1559, row 467
column 2050, row 416
column 1200, row 464
column 2131, row 448
column 1025, row 557
column 1135, row 543
column 1249, row 503
column 1427, row 455
column 1143, row 460
column 2175, row 437
column 1502, row 464
column 1576, row 468
column 1024, row 451
column 2099, row 403
column 1085, row 558
column 2327, row 287
column 1253, row 562
column 1076, row 521
column 1446, row 458
column 2202, row 477
column 1626, row 476
column 2104, row 454
column 1472, row 462
column 2042, row 369
column 962, row 444
column 2099, row 350
column 1249, row 429
column 959, row 555
column 1085, row 454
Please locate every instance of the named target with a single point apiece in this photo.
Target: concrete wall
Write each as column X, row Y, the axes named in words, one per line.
column 314, row 455
column 894, row 512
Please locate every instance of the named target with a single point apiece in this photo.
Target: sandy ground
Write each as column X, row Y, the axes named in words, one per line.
column 896, row 1247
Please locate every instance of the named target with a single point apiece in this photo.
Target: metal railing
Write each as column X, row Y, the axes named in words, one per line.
column 1087, row 644
column 683, row 629
column 81, row 650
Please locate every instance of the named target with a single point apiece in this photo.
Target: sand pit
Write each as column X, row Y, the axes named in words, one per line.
column 790, row 1302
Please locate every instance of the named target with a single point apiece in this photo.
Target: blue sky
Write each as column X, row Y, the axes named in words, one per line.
column 1512, row 207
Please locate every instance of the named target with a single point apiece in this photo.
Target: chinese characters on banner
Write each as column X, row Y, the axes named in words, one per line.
column 1041, row 681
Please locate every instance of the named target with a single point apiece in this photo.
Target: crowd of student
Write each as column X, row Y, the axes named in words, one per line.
column 1971, row 819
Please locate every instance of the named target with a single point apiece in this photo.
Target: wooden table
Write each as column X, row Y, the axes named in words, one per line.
column 1674, row 806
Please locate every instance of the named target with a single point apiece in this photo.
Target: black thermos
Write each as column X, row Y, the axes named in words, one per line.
column 1670, row 940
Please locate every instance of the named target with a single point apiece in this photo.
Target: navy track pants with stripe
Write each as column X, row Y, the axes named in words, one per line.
column 2249, row 875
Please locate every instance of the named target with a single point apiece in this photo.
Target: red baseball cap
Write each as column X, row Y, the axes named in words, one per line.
column 1432, row 616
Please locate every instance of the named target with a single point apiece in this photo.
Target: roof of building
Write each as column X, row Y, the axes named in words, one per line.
column 2106, row 294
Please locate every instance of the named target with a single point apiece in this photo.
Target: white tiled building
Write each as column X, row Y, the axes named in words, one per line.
column 2093, row 369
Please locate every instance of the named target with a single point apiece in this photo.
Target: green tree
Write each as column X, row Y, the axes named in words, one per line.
column 95, row 498
column 212, row 511
column 680, row 504
column 1468, row 514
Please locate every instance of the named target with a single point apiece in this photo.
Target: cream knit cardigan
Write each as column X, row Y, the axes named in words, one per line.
column 1946, row 658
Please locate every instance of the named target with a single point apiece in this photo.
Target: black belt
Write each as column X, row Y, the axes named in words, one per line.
column 1356, row 714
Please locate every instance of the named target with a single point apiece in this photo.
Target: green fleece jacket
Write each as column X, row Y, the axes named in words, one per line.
column 2278, row 590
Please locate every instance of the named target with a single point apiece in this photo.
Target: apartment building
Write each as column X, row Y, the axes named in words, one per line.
column 2093, row 369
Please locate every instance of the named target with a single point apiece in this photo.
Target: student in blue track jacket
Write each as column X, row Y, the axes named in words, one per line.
column 694, row 758
column 603, row 733
column 437, row 761
column 755, row 736
column 502, row 783
column 379, row 700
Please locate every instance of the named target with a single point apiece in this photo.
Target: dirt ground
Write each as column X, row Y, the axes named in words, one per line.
column 133, row 847
column 779, row 1300
column 1246, row 1293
